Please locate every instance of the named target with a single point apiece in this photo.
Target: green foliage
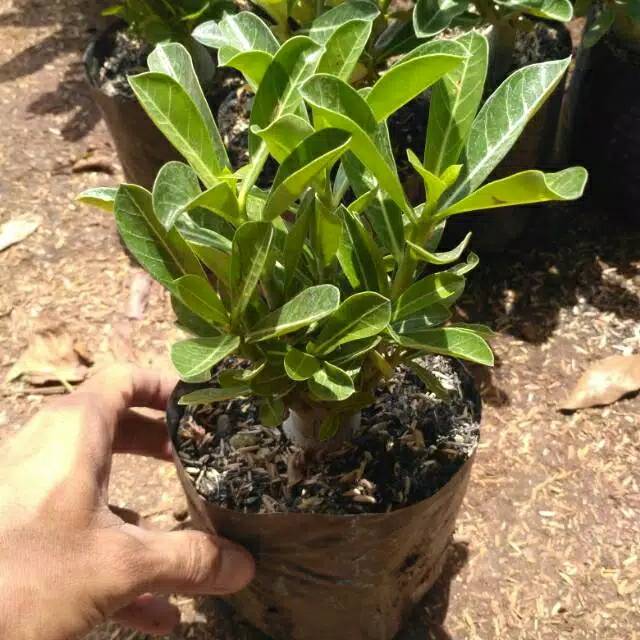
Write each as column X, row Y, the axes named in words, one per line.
column 328, row 280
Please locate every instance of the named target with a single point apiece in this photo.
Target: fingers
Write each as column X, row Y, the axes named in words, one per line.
column 142, row 435
column 193, row 562
column 149, row 614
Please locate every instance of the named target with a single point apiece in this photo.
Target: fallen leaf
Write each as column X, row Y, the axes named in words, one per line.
column 97, row 163
column 17, row 230
column 52, row 355
column 139, row 291
column 605, row 382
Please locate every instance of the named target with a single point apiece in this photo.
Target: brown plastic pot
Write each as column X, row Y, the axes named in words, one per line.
column 325, row 577
column 141, row 147
column 606, row 137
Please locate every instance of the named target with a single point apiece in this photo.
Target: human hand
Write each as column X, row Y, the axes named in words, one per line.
column 67, row 562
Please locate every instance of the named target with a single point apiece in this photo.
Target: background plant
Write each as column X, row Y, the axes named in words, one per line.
column 330, row 279
column 622, row 17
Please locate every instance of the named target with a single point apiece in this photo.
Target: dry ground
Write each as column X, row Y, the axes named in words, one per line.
column 547, row 545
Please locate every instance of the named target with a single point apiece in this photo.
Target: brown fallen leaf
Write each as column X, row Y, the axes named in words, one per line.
column 605, row 382
column 52, row 355
column 17, row 230
column 94, row 163
column 139, row 290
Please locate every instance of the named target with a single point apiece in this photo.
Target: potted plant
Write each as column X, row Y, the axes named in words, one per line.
column 122, row 49
column 606, row 100
column 324, row 419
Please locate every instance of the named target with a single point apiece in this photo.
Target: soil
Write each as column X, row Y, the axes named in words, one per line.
column 408, row 445
column 544, row 42
column 546, row 544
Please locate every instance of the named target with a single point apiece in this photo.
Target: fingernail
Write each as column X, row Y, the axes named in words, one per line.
column 237, row 567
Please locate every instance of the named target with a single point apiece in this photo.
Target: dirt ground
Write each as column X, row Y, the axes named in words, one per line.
column 547, row 543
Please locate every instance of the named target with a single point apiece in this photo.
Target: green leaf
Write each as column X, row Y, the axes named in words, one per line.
column 481, row 329
column 330, row 383
column 501, row 120
column 313, row 155
column 336, row 104
column 464, row 267
column 284, row 134
column 329, row 427
column 198, row 355
column 560, row 10
column 174, row 60
column 454, row 102
column 175, row 114
column 353, row 351
column 164, row 254
column 526, row 187
column 434, row 185
column 300, row 365
column 444, row 257
column 271, row 412
column 430, row 381
column 437, row 288
column 221, row 200
column 271, row 381
column 201, row 298
column 175, row 185
column 364, row 201
column 385, row 217
column 359, row 316
column 430, row 317
column 277, row 9
column 459, row 343
column 359, row 257
column 344, row 48
column 307, row 307
column 295, row 240
column 249, row 253
column 326, row 233
column 433, row 16
column 101, row 197
column 237, row 33
column 213, row 394
column 327, row 23
column 190, row 322
column 407, row 79
column 279, row 93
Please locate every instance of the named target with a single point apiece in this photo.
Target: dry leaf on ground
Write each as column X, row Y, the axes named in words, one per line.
column 52, row 355
column 17, row 230
column 605, row 382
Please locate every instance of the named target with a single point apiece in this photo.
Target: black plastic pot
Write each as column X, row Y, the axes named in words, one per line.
column 141, row 147
column 606, row 138
column 325, row 577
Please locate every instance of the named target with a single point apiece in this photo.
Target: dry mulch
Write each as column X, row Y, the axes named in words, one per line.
column 547, row 543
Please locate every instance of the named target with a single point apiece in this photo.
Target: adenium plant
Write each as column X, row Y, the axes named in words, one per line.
column 326, row 282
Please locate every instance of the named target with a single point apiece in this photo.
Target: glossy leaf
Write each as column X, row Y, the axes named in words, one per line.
column 359, row 316
column 443, row 257
column 212, row 395
column 300, row 365
column 271, row 381
column 464, row 267
column 198, row 355
column 438, row 288
column 249, row 253
column 326, row 234
column 101, row 197
column 313, row 155
column 307, row 307
column 560, row 10
column 501, row 120
column 237, row 33
column 344, row 48
column 353, row 351
column 295, row 241
column 330, row 21
column 527, row 187
column 164, row 254
column 175, row 186
column 271, row 412
column 330, row 383
column 430, row 317
column 433, row 16
column 221, row 200
column 284, row 134
column 201, row 298
column 433, row 184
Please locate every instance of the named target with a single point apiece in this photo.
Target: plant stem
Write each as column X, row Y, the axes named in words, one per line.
column 252, row 176
column 408, row 263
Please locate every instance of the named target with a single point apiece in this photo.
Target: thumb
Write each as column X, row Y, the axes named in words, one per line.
column 192, row 562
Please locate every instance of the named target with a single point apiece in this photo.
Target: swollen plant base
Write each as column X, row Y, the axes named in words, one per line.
column 347, row 544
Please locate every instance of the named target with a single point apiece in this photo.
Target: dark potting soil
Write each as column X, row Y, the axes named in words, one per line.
column 408, row 445
column 544, row 42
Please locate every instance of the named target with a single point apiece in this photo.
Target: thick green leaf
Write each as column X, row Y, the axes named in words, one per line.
column 325, row 233
column 433, row 184
column 330, row 383
column 213, row 394
column 249, row 253
column 294, row 243
column 359, row 316
column 237, row 33
column 313, row 155
column 307, row 307
column 432, row 16
column 190, row 322
column 407, row 79
column 221, row 200
column 443, row 257
column 527, row 187
column 101, row 197
column 198, row 355
column 279, row 91
column 328, row 22
column 454, row 102
column 336, row 104
column 344, row 48
column 164, row 254
column 271, row 412
column 176, row 115
column 560, row 10
column 201, row 298
column 251, row 64
column 300, row 365
column 481, row 329
column 353, row 351
column 437, row 288
column 459, row 343
column 360, row 258
column 174, row 60
column 175, row 186
column 501, row 120
column 271, row 381
column 430, row 317
column 277, row 9
column 284, row 134
column 464, row 267
column 385, row 217
column 398, row 38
